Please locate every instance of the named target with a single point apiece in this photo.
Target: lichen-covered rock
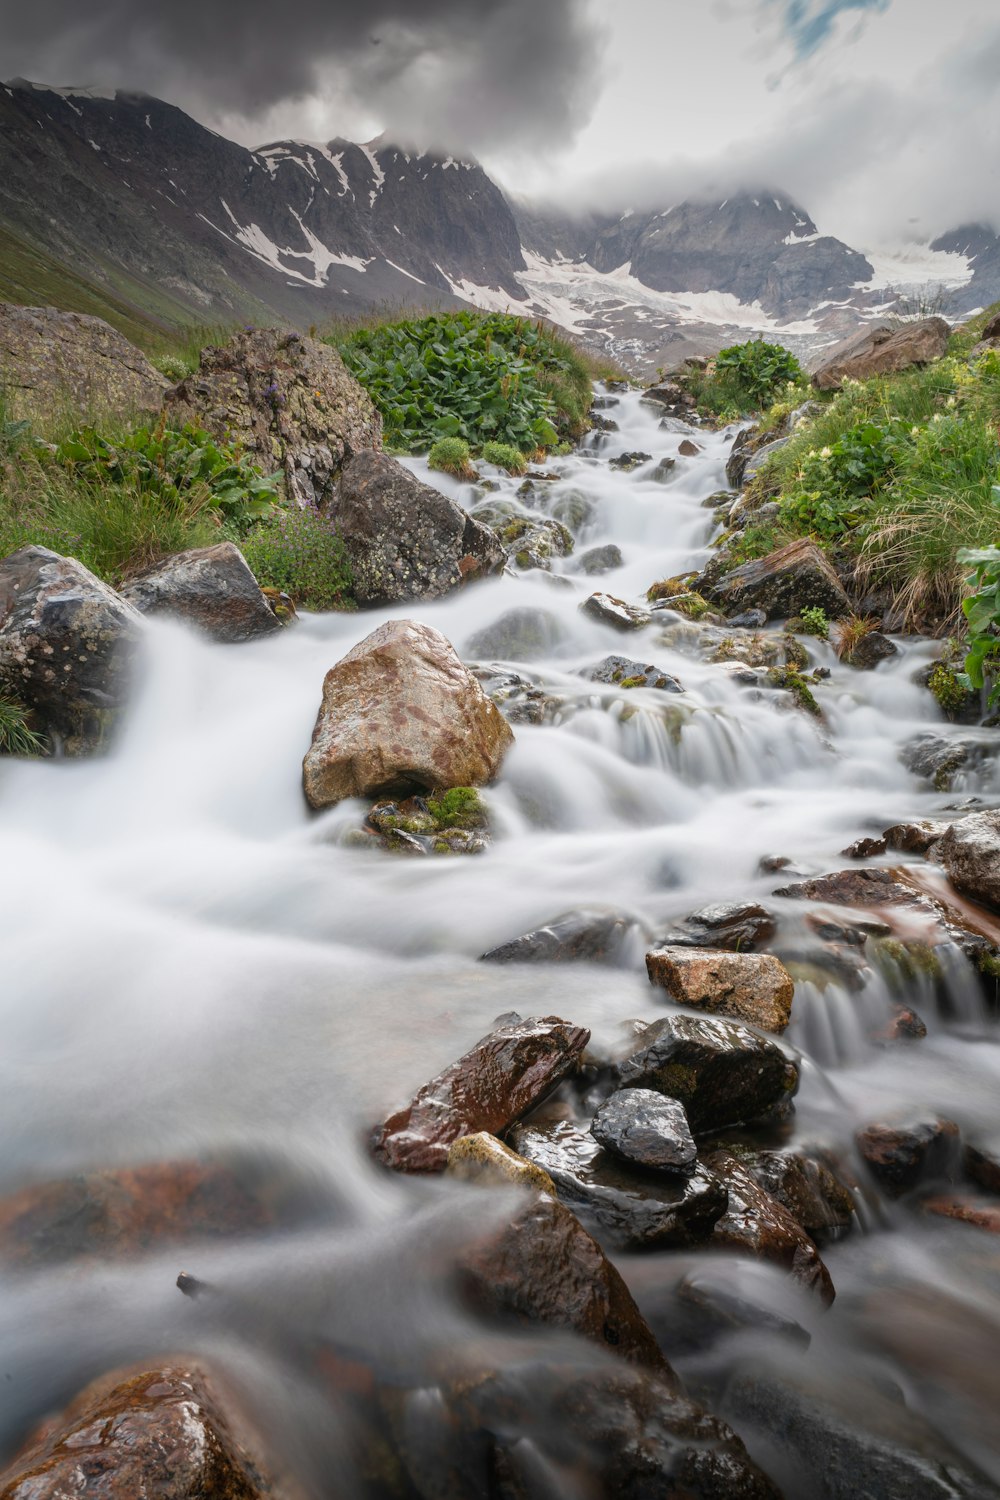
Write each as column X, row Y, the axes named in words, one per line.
column 67, row 647
column 482, row 1158
column 400, row 714
column 723, row 1073
column 53, row 362
column 533, row 541
column 607, row 610
column 758, row 1224
column 638, row 1208
column 752, row 987
column 162, row 1435
column 543, row 1267
column 289, row 401
column 622, row 671
column 211, row 587
column 647, row 1129
column 783, row 584
column 503, row 1076
column 883, row 351
column 403, row 539
column 970, row 852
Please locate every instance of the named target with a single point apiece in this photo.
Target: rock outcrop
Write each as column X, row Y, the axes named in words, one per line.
column 405, row 540
column 210, row 587
column 783, row 584
column 67, row 647
column 499, row 1080
column 401, row 714
column 289, row 402
column 883, row 351
column 54, row 362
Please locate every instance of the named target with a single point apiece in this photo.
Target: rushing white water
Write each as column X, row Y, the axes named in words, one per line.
column 194, row 965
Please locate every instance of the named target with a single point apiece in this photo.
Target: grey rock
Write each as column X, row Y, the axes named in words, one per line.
column 939, row 760
column 882, row 350
column 608, row 610
column 760, row 457
column 601, row 559
column 210, row 587
column 52, row 361
column 647, row 1129
column 519, row 635
column 970, row 852
column 620, row 669
column 784, row 583
column 628, row 461
column 664, row 470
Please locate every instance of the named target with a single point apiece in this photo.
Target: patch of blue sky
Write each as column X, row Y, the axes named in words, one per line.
column 809, row 23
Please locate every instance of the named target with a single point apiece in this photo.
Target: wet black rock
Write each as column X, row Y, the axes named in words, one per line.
column 664, row 470
column 603, row 424
column 628, row 461
column 637, row 1208
column 870, row 650
column 211, row 587
column 939, row 760
column 903, row 1155
column 736, row 926
column 601, row 559
column 620, row 671
column 807, row 1188
column 751, row 619
column 647, row 1129
column 608, row 610
column 585, row 936
column 721, row 1071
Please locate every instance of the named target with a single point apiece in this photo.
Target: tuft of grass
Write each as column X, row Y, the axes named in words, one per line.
column 851, row 631
column 504, row 456
column 16, row 736
column 452, row 456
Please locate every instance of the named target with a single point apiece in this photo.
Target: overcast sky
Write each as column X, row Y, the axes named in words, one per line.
column 881, row 116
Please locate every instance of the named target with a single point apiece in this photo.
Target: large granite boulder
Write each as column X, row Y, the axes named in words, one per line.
column 211, row 587
column 401, row 714
column 54, row 362
column 783, row 584
column 405, row 540
column 504, row 1075
column 67, row 647
column 883, row 351
column 164, row 1434
column 289, row 401
column 970, row 852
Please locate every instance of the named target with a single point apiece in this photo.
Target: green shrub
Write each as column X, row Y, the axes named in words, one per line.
column 480, row 377
column 982, row 612
column 814, row 622
column 504, row 457
column 16, row 738
column 300, row 553
column 451, row 455
column 756, row 370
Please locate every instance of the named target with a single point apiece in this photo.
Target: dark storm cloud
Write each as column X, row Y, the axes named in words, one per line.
column 479, row 73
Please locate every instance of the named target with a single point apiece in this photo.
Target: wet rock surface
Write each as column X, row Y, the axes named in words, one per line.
column 784, row 583
column 970, row 852
column 902, row 1155
column 288, row 401
column 484, row 1159
column 723, row 1073
column 737, row 926
column 577, row 937
column 503, row 1076
column 646, row 1129
column 68, row 647
column 752, row 987
column 601, row 559
column 806, row 1188
column 403, row 539
column 400, row 713
column 544, row 1268
column 622, row 671
column 756, row 1223
column 210, row 587
column 607, row 610
column 518, row 635
column 160, row 1435
column 941, row 761
column 637, row 1209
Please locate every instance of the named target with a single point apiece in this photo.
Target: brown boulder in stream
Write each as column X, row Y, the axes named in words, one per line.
column 503, row 1076
column 751, row 987
column 160, row 1435
column 211, row 587
column 903, row 1154
column 758, row 1224
column 401, row 714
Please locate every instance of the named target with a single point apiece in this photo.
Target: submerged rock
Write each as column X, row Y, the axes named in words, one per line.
column 970, row 852
column 646, row 1129
column 756, row 1223
column 939, row 760
column 883, row 350
column 723, row 1073
column 163, row 1434
column 784, row 583
column 608, row 610
column 68, row 647
column 752, row 987
column 503, row 1076
column 403, row 539
column 586, row 936
column 211, row 587
column 637, row 1208
column 544, row 1268
column 519, row 635
column 601, row 559
column 400, row 714
column 902, row 1155
column 288, row 401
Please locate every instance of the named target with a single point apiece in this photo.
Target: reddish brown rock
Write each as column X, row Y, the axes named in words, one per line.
column 784, row 583
column 752, row 987
column 544, row 1267
column 128, row 1211
column 883, row 351
column 982, row 1162
column 807, row 1188
column 499, row 1080
column 981, row 1213
column 401, row 714
column 757, row 1224
column 902, row 1155
column 158, row 1435
column 903, row 1025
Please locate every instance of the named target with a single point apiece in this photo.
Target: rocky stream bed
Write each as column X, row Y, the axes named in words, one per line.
column 627, row 1129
